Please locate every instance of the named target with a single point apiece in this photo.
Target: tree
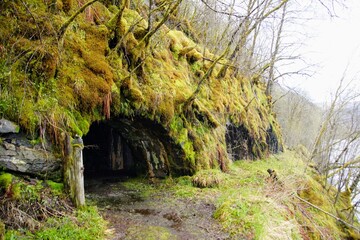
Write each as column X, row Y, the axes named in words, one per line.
column 275, row 53
column 335, row 149
column 299, row 118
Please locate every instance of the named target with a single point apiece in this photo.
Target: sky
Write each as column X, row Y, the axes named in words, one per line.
column 334, row 45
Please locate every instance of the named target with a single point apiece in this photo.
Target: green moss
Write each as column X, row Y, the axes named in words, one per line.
column 136, row 22
column 10, row 186
column 197, row 66
column 16, row 191
column 5, row 180
column 56, row 188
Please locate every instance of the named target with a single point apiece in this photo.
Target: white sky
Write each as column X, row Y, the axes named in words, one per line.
column 334, row 46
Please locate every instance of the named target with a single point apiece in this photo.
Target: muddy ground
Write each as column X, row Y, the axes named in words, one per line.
column 158, row 215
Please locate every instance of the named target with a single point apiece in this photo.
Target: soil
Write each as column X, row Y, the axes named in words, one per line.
column 161, row 215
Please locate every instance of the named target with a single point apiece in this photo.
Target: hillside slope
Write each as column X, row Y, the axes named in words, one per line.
column 57, row 79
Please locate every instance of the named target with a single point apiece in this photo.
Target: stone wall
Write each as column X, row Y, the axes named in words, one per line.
column 17, row 154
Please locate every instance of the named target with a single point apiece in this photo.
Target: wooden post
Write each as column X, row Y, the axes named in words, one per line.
column 78, row 169
column 74, row 171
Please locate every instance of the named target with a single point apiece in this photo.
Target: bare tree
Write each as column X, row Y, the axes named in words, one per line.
column 299, row 118
column 335, row 148
column 275, row 53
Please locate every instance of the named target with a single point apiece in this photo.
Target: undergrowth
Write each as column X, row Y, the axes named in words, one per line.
column 36, row 209
column 249, row 204
column 85, row 223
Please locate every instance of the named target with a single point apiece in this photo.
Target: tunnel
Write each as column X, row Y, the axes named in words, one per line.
column 107, row 153
column 123, row 147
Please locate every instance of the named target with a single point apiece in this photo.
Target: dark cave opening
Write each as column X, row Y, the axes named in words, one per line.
column 108, row 154
column 123, row 148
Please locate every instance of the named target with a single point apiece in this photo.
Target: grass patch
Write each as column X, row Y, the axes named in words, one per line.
column 35, row 209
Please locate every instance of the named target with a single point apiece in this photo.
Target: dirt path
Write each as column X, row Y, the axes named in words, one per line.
column 161, row 215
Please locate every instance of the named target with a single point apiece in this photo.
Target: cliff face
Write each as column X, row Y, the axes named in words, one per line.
column 104, row 67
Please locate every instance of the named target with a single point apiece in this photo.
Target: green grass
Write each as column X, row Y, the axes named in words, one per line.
column 207, row 178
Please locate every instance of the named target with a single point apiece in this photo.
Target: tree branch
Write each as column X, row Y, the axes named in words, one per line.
column 63, row 28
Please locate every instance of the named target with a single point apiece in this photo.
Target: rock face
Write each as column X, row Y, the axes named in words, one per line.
column 17, row 154
column 7, row 126
column 241, row 145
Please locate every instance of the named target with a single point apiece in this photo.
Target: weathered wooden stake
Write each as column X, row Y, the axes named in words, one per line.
column 78, row 146
column 74, row 171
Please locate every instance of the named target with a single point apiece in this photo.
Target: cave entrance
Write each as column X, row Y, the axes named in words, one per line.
column 107, row 153
column 122, row 147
